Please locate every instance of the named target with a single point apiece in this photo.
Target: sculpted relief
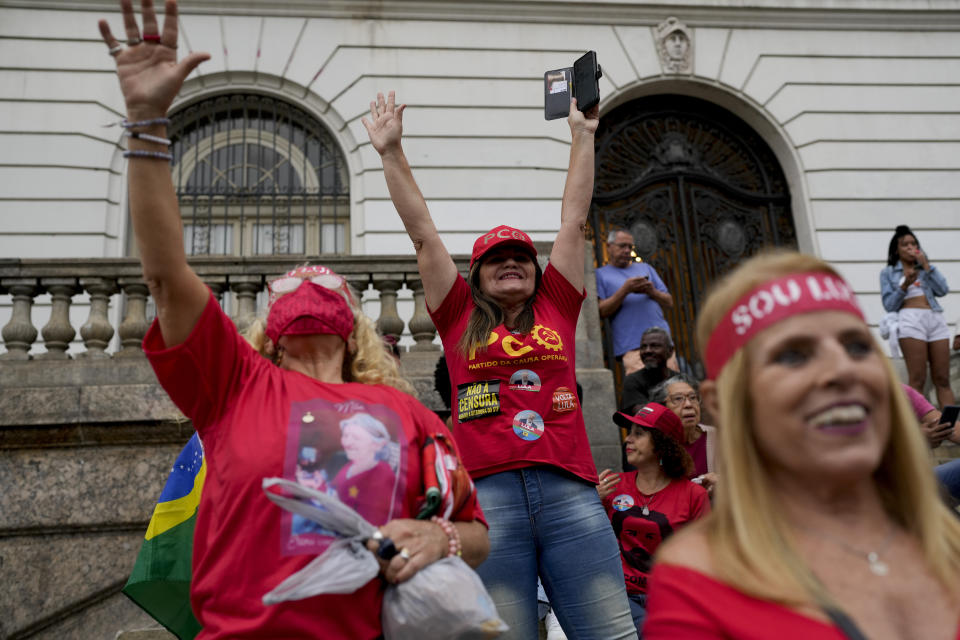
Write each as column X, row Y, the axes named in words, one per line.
column 675, row 46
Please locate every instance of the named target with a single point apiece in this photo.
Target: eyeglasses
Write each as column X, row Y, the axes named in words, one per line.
column 623, row 245
column 286, row 284
column 681, row 399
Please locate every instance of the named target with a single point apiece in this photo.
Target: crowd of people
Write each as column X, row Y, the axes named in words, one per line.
column 810, row 509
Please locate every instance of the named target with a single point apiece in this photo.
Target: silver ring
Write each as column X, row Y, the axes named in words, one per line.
column 404, row 554
column 132, row 42
column 115, row 49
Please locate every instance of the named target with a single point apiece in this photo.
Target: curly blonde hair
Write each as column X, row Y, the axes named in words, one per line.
column 371, row 363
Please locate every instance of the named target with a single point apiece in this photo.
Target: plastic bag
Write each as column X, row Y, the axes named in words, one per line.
column 446, row 600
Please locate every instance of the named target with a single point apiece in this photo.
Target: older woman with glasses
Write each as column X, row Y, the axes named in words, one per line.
column 681, row 394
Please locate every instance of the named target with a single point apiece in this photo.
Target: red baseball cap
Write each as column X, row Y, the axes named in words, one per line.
column 500, row 236
column 654, row 416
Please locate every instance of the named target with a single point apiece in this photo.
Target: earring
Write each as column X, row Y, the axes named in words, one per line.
column 661, row 462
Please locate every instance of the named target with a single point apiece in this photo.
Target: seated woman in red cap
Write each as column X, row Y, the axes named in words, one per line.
column 828, row 524
column 648, row 504
column 293, row 414
column 508, row 335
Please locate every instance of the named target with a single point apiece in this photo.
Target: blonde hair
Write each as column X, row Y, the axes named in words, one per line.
column 372, row 363
column 747, row 534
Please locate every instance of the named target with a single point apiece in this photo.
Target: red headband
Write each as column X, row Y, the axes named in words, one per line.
column 772, row 302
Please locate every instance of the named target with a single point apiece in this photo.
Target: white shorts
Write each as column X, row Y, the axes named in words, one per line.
column 923, row 324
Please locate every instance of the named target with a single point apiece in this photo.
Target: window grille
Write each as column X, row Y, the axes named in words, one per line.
column 257, row 176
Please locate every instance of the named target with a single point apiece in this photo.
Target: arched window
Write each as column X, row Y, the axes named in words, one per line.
column 255, row 175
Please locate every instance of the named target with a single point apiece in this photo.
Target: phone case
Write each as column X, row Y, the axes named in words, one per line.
column 586, row 81
column 950, row 414
column 557, row 92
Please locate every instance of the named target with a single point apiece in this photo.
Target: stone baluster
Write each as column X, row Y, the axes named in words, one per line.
column 217, row 284
column 134, row 326
column 19, row 333
column 421, row 326
column 96, row 331
column 389, row 322
column 58, row 333
column 246, row 288
column 358, row 283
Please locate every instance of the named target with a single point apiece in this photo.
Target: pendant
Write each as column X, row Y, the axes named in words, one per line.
column 877, row 566
column 307, row 418
column 645, row 510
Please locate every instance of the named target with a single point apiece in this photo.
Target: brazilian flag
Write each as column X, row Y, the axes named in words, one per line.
column 160, row 581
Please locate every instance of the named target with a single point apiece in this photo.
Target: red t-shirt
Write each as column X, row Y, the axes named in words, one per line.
column 257, row 420
column 515, row 402
column 639, row 534
column 684, row 603
column 698, row 451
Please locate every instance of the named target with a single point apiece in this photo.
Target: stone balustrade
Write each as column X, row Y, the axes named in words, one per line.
column 100, row 279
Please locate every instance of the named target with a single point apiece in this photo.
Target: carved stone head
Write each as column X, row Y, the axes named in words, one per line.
column 675, row 46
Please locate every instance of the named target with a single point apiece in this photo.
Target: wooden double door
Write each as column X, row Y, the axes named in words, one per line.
column 699, row 190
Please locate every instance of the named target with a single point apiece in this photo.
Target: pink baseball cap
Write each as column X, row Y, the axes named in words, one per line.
column 501, row 236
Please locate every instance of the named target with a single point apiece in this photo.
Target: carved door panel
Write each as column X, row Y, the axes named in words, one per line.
column 698, row 190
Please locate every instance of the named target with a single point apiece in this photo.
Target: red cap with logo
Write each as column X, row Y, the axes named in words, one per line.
column 654, row 416
column 500, row 236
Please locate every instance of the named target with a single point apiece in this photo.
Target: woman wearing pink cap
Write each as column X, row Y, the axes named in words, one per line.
column 508, row 335
column 326, row 402
column 648, row 504
column 828, row 524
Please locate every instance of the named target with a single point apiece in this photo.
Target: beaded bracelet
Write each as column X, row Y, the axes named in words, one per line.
column 143, row 153
column 453, row 535
column 149, row 138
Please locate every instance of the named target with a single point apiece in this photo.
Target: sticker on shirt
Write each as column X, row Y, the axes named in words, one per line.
column 478, row 400
column 528, row 425
column 351, row 450
column 525, row 380
column 623, row 502
column 564, row 400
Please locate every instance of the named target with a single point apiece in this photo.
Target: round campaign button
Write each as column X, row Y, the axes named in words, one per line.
column 525, row 380
column 564, row 400
column 528, row 425
column 623, row 502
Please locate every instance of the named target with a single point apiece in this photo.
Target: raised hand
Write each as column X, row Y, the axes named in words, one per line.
column 385, row 126
column 583, row 122
column 150, row 76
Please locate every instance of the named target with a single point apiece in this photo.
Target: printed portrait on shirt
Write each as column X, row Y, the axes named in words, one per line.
column 351, row 450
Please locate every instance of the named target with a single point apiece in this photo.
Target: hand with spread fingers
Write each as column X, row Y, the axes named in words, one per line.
column 149, row 73
column 385, row 126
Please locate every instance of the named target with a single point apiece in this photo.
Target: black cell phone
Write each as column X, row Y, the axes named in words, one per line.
column 581, row 81
column 950, row 414
column 586, row 81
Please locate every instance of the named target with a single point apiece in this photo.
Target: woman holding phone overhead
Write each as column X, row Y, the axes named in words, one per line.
column 525, row 445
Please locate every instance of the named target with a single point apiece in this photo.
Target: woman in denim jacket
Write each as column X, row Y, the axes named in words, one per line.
column 910, row 286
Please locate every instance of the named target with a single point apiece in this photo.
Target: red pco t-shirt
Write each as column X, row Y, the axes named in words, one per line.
column 638, row 533
column 255, row 421
column 515, row 399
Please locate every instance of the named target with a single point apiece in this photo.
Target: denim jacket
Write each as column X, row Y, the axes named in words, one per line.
column 932, row 283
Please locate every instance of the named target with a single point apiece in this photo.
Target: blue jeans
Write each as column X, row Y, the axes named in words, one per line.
column 638, row 609
column 948, row 474
column 548, row 523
